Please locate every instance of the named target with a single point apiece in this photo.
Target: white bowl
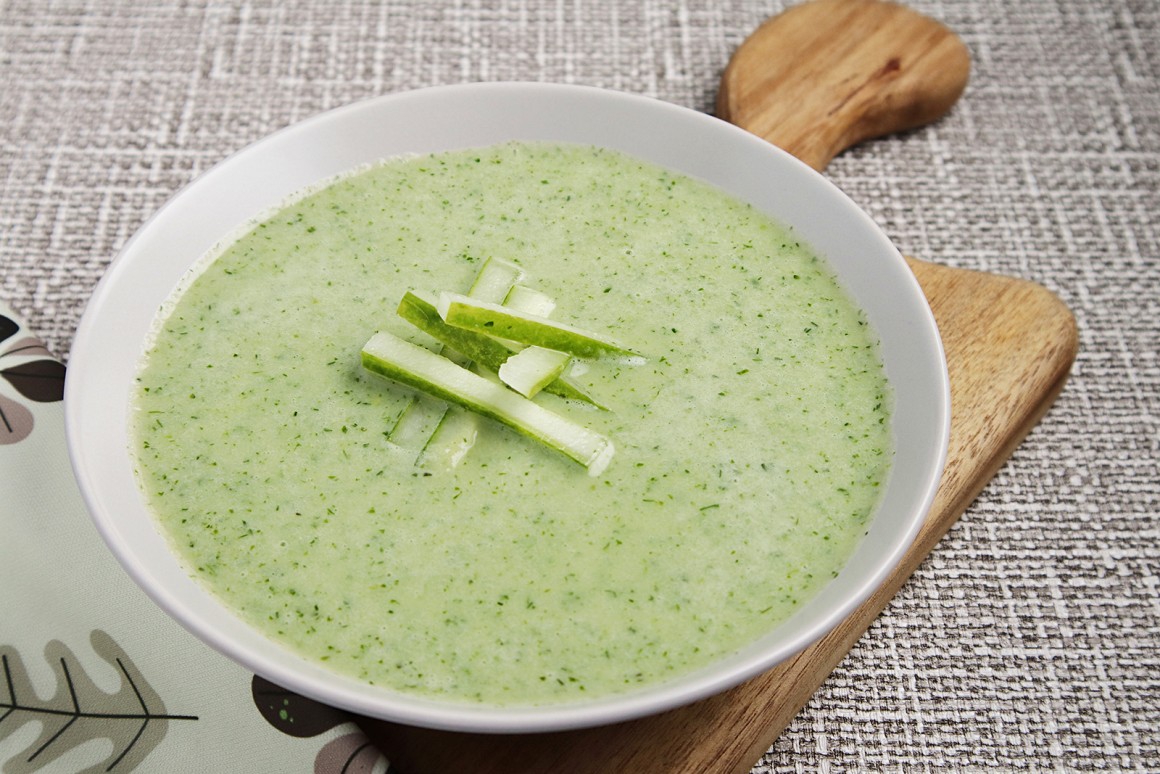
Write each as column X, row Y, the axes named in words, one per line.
column 110, row 341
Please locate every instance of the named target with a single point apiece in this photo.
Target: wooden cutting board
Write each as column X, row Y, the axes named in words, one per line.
column 815, row 80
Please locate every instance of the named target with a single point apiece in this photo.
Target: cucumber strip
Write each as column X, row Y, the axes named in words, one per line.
column 451, row 441
column 460, row 311
column 495, row 280
column 422, row 369
column 418, row 421
column 480, row 348
column 532, row 369
column 451, row 436
column 525, row 299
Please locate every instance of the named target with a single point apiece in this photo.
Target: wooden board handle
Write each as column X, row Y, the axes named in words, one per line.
column 827, row 74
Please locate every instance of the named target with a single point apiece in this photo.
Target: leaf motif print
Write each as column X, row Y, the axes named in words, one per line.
column 8, row 327
column 29, row 345
column 38, row 380
column 350, row 754
column 133, row 717
column 15, row 421
column 28, row 367
column 291, row 713
column 299, row 716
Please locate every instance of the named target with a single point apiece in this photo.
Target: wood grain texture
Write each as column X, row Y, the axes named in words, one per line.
column 814, row 80
column 827, row 74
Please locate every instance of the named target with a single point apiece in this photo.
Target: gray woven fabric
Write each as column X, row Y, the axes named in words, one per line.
column 1029, row 639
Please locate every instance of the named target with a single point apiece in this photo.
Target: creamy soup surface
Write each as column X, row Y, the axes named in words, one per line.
column 751, row 444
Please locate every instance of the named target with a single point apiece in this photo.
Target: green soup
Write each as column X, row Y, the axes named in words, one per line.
column 751, row 443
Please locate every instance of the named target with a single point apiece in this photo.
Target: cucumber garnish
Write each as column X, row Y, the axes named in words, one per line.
column 480, row 348
column 437, row 376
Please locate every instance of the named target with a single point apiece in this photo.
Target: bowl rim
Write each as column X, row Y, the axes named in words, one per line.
column 102, row 316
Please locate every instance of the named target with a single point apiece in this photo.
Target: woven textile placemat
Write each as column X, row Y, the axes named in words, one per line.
column 1030, row 639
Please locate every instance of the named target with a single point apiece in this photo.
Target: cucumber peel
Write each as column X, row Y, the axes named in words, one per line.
column 479, row 348
column 424, row 370
column 460, row 311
